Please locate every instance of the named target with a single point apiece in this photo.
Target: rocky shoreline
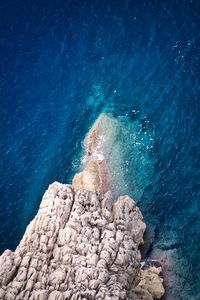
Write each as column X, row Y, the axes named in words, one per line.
column 83, row 243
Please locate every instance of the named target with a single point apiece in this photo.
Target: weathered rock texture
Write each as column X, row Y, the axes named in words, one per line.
column 80, row 245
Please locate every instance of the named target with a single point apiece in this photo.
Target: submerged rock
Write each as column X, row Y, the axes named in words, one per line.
column 96, row 173
column 80, row 245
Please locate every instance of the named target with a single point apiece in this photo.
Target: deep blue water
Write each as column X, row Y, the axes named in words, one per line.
column 62, row 64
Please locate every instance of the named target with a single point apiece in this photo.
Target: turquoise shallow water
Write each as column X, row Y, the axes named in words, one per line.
column 62, row 64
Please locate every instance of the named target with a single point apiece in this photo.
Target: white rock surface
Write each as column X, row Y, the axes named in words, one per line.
column 80, row 245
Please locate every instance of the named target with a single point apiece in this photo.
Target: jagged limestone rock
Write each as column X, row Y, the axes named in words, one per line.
column 80, row 245
column 151, row 281
column 89, row 178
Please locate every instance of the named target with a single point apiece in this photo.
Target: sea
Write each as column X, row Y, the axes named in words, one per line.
column 62, row 64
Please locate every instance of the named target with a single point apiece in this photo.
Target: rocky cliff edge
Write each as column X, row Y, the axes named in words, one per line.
column 82, row 244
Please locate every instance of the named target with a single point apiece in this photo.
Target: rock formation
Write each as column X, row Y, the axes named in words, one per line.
column 82, row 244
